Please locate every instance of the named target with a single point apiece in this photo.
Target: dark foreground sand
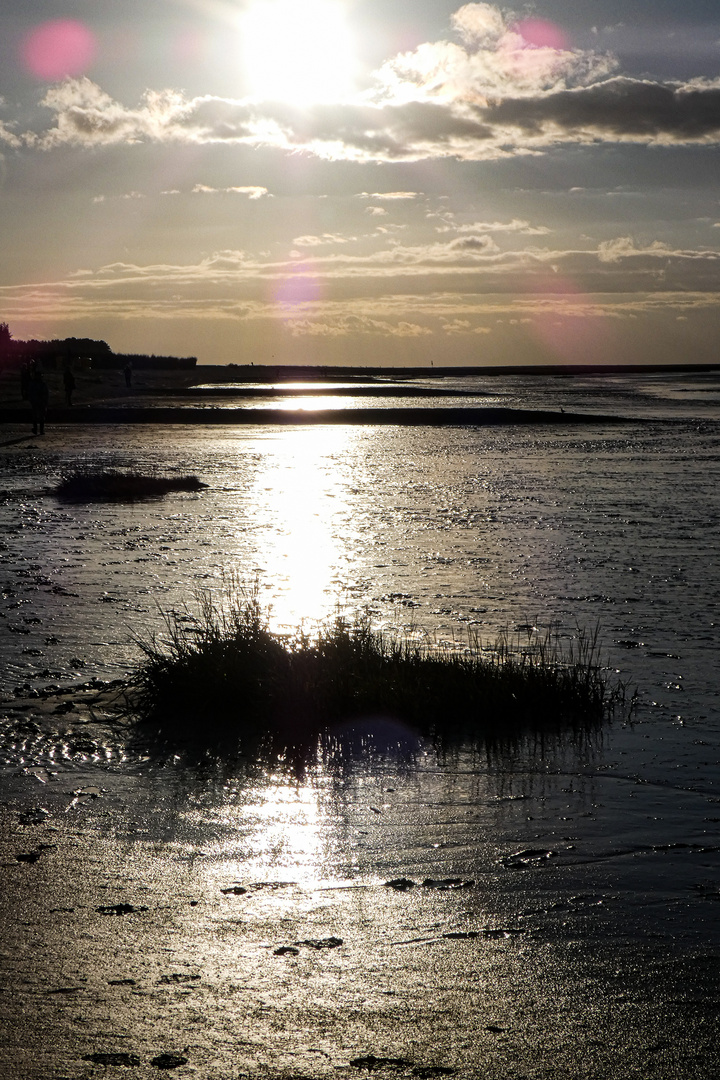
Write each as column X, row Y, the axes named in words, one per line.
column 129, row 950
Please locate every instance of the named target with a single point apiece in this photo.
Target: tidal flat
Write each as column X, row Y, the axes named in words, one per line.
column 547, row 907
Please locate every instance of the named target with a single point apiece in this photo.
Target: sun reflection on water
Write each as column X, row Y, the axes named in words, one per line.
column 289, row 824
column 278, row 833
column 308, row 403
column 300, row 500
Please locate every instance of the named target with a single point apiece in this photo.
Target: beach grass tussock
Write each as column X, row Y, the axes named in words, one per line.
column 222, row 675
column 88, row 486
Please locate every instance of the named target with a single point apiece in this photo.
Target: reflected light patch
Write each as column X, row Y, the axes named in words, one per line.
column 308, row 403
column 300, row 507
column 281, row 829
column 299, row 51
column 289, row 823
column 60, row 49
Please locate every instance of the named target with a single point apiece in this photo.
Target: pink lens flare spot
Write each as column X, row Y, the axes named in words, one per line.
column 301, row 287
column 189, row 47
column 60, row 49
column 568, row 322
column 541, row 34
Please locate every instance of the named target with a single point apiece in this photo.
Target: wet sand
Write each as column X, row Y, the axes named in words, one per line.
column 580, row 937
column 129, row 945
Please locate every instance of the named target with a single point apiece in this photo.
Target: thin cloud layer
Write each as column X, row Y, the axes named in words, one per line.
column 465, row 263
column 514, row 226
column 252, row 192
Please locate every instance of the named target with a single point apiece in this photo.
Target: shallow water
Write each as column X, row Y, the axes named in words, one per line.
column 601, row 846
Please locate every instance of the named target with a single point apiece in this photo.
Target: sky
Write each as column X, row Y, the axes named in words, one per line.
column 398, row 182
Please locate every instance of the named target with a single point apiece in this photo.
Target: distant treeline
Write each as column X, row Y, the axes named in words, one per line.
column 81, row 352
column 141, row 362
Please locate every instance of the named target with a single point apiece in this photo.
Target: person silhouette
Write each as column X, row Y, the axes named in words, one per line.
column 38, row 396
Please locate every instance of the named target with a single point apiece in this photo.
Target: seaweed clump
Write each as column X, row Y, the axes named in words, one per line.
column 86, row 486
column 224, row 677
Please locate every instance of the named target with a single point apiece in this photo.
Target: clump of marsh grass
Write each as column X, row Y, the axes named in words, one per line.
column 223, row 676
column 89, row 486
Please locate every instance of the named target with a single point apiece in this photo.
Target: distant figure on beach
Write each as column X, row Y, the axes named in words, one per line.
column 128, row 374
column 38, row 396
column 68, row 383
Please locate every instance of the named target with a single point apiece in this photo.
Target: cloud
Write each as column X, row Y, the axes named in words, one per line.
column 86, row 115
column 8, row 137
column 496, row 59
column 624, row 247
column 482, row 244
column 615, row 110
column 612, row 251
column 463, row 326
column 506, row 87
column 391, row 195
column 321, row 241
column 252, row 192
column 479, row 23
column 618, row 109
column 344, row 325
column 462, row 276
column 125, row 195
column 148, row 297
column 514, row 226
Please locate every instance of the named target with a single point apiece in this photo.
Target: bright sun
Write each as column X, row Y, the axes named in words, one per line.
column 298, row 50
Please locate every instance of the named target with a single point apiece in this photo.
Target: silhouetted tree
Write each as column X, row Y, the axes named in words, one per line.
column 5, row 339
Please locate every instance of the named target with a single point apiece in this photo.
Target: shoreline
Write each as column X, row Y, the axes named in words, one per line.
column 410, row 417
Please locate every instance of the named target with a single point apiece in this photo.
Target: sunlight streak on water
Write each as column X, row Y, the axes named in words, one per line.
column 309, row 403
column 277, row 833
column 288, row 832
column 300, row 496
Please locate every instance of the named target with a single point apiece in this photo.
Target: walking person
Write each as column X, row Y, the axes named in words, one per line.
column 38, row 396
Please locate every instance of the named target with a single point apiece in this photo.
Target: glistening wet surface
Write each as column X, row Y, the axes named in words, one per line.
column 545, row 909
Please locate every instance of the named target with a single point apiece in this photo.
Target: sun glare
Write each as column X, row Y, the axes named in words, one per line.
column 301, row 514
column 300, row 52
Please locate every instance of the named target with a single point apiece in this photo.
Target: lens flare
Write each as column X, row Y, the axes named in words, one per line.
column 298, row 288
column 542, row 34
column 568, row 322
column 189, row 47
column 59, row 49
